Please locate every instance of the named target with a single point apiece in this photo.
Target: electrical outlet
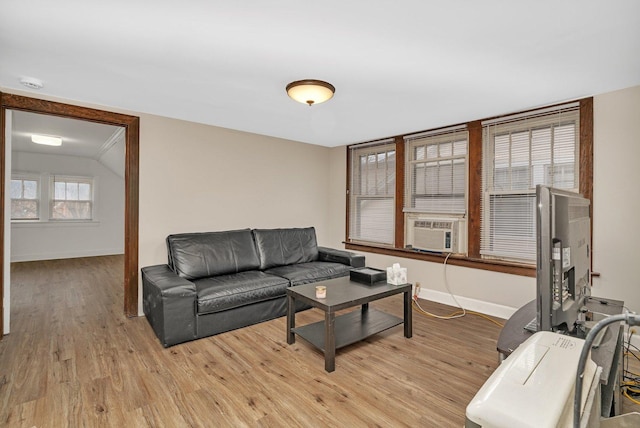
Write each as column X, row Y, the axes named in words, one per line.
column 416, row 289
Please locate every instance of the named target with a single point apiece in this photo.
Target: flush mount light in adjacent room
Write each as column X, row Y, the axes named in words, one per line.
column 46, row 140
column 310, row 91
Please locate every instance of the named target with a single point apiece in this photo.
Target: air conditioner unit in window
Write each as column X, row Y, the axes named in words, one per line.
column 442, row 235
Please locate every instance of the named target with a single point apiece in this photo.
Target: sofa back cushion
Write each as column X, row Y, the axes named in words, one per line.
column 200, row 255
column 281, row 247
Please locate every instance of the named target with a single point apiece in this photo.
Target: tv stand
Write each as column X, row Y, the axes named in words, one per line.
column 608, row 355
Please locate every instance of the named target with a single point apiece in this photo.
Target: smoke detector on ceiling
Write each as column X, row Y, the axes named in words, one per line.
column 32, row 82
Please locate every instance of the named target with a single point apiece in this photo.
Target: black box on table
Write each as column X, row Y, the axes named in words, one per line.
column 368, row 275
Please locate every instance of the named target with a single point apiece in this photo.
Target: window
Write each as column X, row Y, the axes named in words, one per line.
column 436, row 172
column 72, row 198
column 25, row 198
column 372, row 193
column 520, row 152
column 503, row 159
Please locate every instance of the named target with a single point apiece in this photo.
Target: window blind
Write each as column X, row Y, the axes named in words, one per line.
column 372, row 192
column 72, row 198
column 436, row 171
column 25, row 198
column 520, row 152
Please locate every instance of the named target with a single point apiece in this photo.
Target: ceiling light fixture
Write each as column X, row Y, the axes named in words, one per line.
column 32, row 83
column 310, row 91
column 46, row 140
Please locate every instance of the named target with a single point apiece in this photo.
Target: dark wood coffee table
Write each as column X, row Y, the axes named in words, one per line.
column 338, row 331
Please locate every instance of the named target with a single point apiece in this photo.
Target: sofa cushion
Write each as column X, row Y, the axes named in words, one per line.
column 281, row 247
column 224, row 292
column 304, row 273
column 199, row 255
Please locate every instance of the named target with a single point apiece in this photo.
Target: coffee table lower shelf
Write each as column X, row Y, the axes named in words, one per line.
column 350, row 328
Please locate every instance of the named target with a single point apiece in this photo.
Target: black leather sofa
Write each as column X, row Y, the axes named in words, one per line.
column 220, row 281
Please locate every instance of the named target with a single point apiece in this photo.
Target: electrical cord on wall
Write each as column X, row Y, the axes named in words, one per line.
column 457, row 314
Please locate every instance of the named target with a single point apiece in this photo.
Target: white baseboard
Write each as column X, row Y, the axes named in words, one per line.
column 487, row 308
column 494, row 309
column 65, row 255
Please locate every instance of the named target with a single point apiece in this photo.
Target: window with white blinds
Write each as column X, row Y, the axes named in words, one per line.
column 372, row 193
column 72, row 198
column 436, row 171
column 25, row 197
column 520, row 152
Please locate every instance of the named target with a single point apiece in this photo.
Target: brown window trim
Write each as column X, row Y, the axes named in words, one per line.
column 473, row 259
column 454, row 259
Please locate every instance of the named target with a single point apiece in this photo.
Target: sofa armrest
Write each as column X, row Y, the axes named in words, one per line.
column 340, row 256
column 169, row 303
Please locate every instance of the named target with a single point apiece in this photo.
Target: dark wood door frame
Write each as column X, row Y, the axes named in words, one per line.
column 132, row 138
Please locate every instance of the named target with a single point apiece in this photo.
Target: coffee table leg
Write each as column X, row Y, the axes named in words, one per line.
column 408, row 315
column 329, row 341
column 291, row 319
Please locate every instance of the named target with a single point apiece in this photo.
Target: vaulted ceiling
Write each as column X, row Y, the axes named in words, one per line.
column 80, row 138
column 398, row 66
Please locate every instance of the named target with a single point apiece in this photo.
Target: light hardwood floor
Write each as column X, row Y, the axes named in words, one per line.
column 74, row 360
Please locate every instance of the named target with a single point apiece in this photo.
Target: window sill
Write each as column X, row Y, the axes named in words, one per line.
column 56, row 223
column 456, row 260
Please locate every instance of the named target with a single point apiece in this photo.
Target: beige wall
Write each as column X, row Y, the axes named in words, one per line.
column 489, row 292
column 337, row 196
column 196, row 177
column 616, row 233
column 616, row 193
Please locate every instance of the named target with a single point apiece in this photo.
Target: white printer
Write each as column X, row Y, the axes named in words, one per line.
column 534, row 387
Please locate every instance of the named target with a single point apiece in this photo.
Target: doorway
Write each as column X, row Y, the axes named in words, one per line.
column 131, row 129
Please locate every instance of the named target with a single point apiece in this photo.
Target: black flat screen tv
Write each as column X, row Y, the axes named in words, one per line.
column 563, row 273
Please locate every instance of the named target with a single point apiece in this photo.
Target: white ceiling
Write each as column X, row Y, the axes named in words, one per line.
column 398, row 66
column 79, row 138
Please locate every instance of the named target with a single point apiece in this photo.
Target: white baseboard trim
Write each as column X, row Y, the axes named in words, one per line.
column 487, row 308
column 496, row 310
column 67, row 255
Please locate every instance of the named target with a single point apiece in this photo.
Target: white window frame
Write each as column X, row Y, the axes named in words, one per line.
column 91, row 181
column 518, row 243
column 379, row 225
column 28, row 177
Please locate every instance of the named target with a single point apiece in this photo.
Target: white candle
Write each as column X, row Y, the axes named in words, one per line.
column 321, row 291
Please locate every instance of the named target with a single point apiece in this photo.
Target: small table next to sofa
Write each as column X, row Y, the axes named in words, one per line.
column 338, row 331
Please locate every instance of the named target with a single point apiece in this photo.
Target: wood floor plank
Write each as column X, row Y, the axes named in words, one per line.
column 74, row 360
